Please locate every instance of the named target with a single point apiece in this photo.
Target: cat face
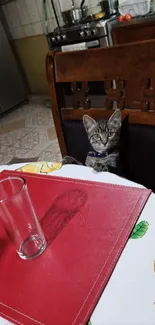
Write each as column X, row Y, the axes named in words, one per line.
column 103, row 135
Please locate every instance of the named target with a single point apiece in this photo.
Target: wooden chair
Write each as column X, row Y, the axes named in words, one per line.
column 118, row 67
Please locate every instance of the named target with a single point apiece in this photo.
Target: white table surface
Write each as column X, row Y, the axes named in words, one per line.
column 129, row 297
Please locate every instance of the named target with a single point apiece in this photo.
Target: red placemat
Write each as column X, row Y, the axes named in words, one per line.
column 87, row 225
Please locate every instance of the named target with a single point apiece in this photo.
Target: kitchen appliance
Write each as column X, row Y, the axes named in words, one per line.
column 74, row 15
column 92, row 33
column 80, row 28
column 86, row 34
column 12, row 88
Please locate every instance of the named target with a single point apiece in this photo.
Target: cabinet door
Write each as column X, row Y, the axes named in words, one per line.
column 134, row 31
column 12, row 87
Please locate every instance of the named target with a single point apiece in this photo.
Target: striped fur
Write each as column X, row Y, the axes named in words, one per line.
column 104, row 137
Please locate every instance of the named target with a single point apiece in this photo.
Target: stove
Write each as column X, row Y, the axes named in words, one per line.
column 89, row 33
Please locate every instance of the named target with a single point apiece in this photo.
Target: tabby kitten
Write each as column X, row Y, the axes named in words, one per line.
column 104, row 137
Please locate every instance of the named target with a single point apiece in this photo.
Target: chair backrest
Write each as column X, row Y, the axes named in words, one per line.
column 117, row 66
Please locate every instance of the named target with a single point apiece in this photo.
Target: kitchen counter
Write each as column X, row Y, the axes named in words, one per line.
column 138, row 29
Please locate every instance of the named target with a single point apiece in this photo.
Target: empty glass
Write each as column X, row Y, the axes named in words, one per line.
column 20, row 220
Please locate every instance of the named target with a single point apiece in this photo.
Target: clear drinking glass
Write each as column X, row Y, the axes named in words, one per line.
column 19, row 217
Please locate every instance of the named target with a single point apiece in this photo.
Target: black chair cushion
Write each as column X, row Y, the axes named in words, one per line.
column 137, row 149
column 141, row 155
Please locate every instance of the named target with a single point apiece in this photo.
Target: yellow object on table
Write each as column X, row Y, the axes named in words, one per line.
column 40, row 167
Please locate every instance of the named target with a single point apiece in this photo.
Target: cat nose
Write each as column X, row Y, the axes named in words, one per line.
column 104, row 141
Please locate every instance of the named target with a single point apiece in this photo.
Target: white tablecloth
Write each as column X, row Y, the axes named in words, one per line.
column 129, row 297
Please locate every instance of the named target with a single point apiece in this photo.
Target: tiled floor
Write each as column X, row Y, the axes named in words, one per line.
column 29, row 132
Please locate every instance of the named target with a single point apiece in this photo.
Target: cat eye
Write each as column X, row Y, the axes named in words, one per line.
column 111, row 133
column 97, row 136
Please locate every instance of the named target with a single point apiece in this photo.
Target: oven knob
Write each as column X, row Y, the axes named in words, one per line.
column 81, row 33
column 64, row 37
column 58, row 38
column 88, row 32
column 53, row 39
column 93, row 31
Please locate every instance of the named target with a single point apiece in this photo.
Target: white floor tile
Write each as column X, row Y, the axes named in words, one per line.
column 33, row 140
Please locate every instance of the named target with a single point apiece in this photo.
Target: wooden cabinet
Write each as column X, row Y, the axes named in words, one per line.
column 130, row 32
column 134, row 31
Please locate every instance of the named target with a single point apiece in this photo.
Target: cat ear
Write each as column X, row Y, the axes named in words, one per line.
column 88, row 122
column 115, row 118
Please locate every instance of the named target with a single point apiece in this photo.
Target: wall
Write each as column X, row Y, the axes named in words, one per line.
column 25, row 19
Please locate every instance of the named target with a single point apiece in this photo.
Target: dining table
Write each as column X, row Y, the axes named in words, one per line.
column 129, row 296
